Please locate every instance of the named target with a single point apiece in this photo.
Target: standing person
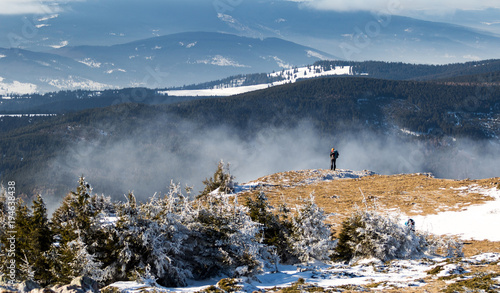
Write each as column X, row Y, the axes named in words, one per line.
column 334, row 154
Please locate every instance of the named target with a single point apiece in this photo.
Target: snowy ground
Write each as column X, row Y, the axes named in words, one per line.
column 474, row 222
column 372, row 272
column 477, row 222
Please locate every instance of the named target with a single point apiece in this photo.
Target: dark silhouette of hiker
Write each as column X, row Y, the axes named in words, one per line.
column 334, row 154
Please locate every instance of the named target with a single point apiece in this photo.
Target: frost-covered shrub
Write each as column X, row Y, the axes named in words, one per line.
column 222, row 181
column 369, row 234
column 312, row 235
column 151, row 235
column 444, row 245
column 223, row 240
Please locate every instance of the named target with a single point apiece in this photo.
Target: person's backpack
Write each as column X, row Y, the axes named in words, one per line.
column 410, row 224
column 334, row 154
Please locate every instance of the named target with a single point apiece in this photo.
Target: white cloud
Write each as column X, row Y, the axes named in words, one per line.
column 396, row 6
column 31, row 6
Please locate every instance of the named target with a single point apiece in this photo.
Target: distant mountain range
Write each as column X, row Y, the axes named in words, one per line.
column 357, row 35
column 112, row 44
column 156, row 62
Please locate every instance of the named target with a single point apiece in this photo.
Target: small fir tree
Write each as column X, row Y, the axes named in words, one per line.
column 41, row 239
column 313, row 237
column 221, row 181
column 276, row 233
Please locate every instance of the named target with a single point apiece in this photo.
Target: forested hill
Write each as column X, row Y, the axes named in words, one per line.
column 358, row 102
column 406, row 71
column 334, row 106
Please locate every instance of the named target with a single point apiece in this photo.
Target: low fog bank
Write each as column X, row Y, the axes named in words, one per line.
column 146, row 162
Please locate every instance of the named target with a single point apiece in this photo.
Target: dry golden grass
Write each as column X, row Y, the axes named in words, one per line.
column 410, row 194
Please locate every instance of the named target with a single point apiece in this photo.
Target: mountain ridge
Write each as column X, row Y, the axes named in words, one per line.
column 155, row 62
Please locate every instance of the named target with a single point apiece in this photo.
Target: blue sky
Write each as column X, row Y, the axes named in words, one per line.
column 405, row 7
column 398, row 6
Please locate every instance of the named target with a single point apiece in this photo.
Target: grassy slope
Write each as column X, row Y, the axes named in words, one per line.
column 411, row 194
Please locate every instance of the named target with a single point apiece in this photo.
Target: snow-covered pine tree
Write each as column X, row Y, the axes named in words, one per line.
column 74, row 224
column 275, row 232
column 151, row 235
column 313, row 237
column 82, row 263
column 369, row 234
column 166, row 246
column 222, row 181
column 223, row 240
column 74, row 216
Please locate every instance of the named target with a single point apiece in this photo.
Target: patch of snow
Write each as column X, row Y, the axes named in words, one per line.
column 190, row 45
column 114, row 70
column 281, row 63
column 27, row 115
column 473, row 222
column 311, row 72
column 226, row 18
column 75, row 83
column 409, row 132
column 91, row 63
column 490, row 23
column 16, row 87
column 314, row 54
column 48, row 17
column 220, row 92
column 219, row 60
column 43, row 63
column 61, row 44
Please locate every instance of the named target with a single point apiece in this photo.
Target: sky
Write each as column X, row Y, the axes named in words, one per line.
column 401, row 6
column 395, row 6
column 28, row 7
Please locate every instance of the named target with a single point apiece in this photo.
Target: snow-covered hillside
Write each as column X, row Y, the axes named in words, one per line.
column 373, row 274
column 15, row 87
column 285, row 76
